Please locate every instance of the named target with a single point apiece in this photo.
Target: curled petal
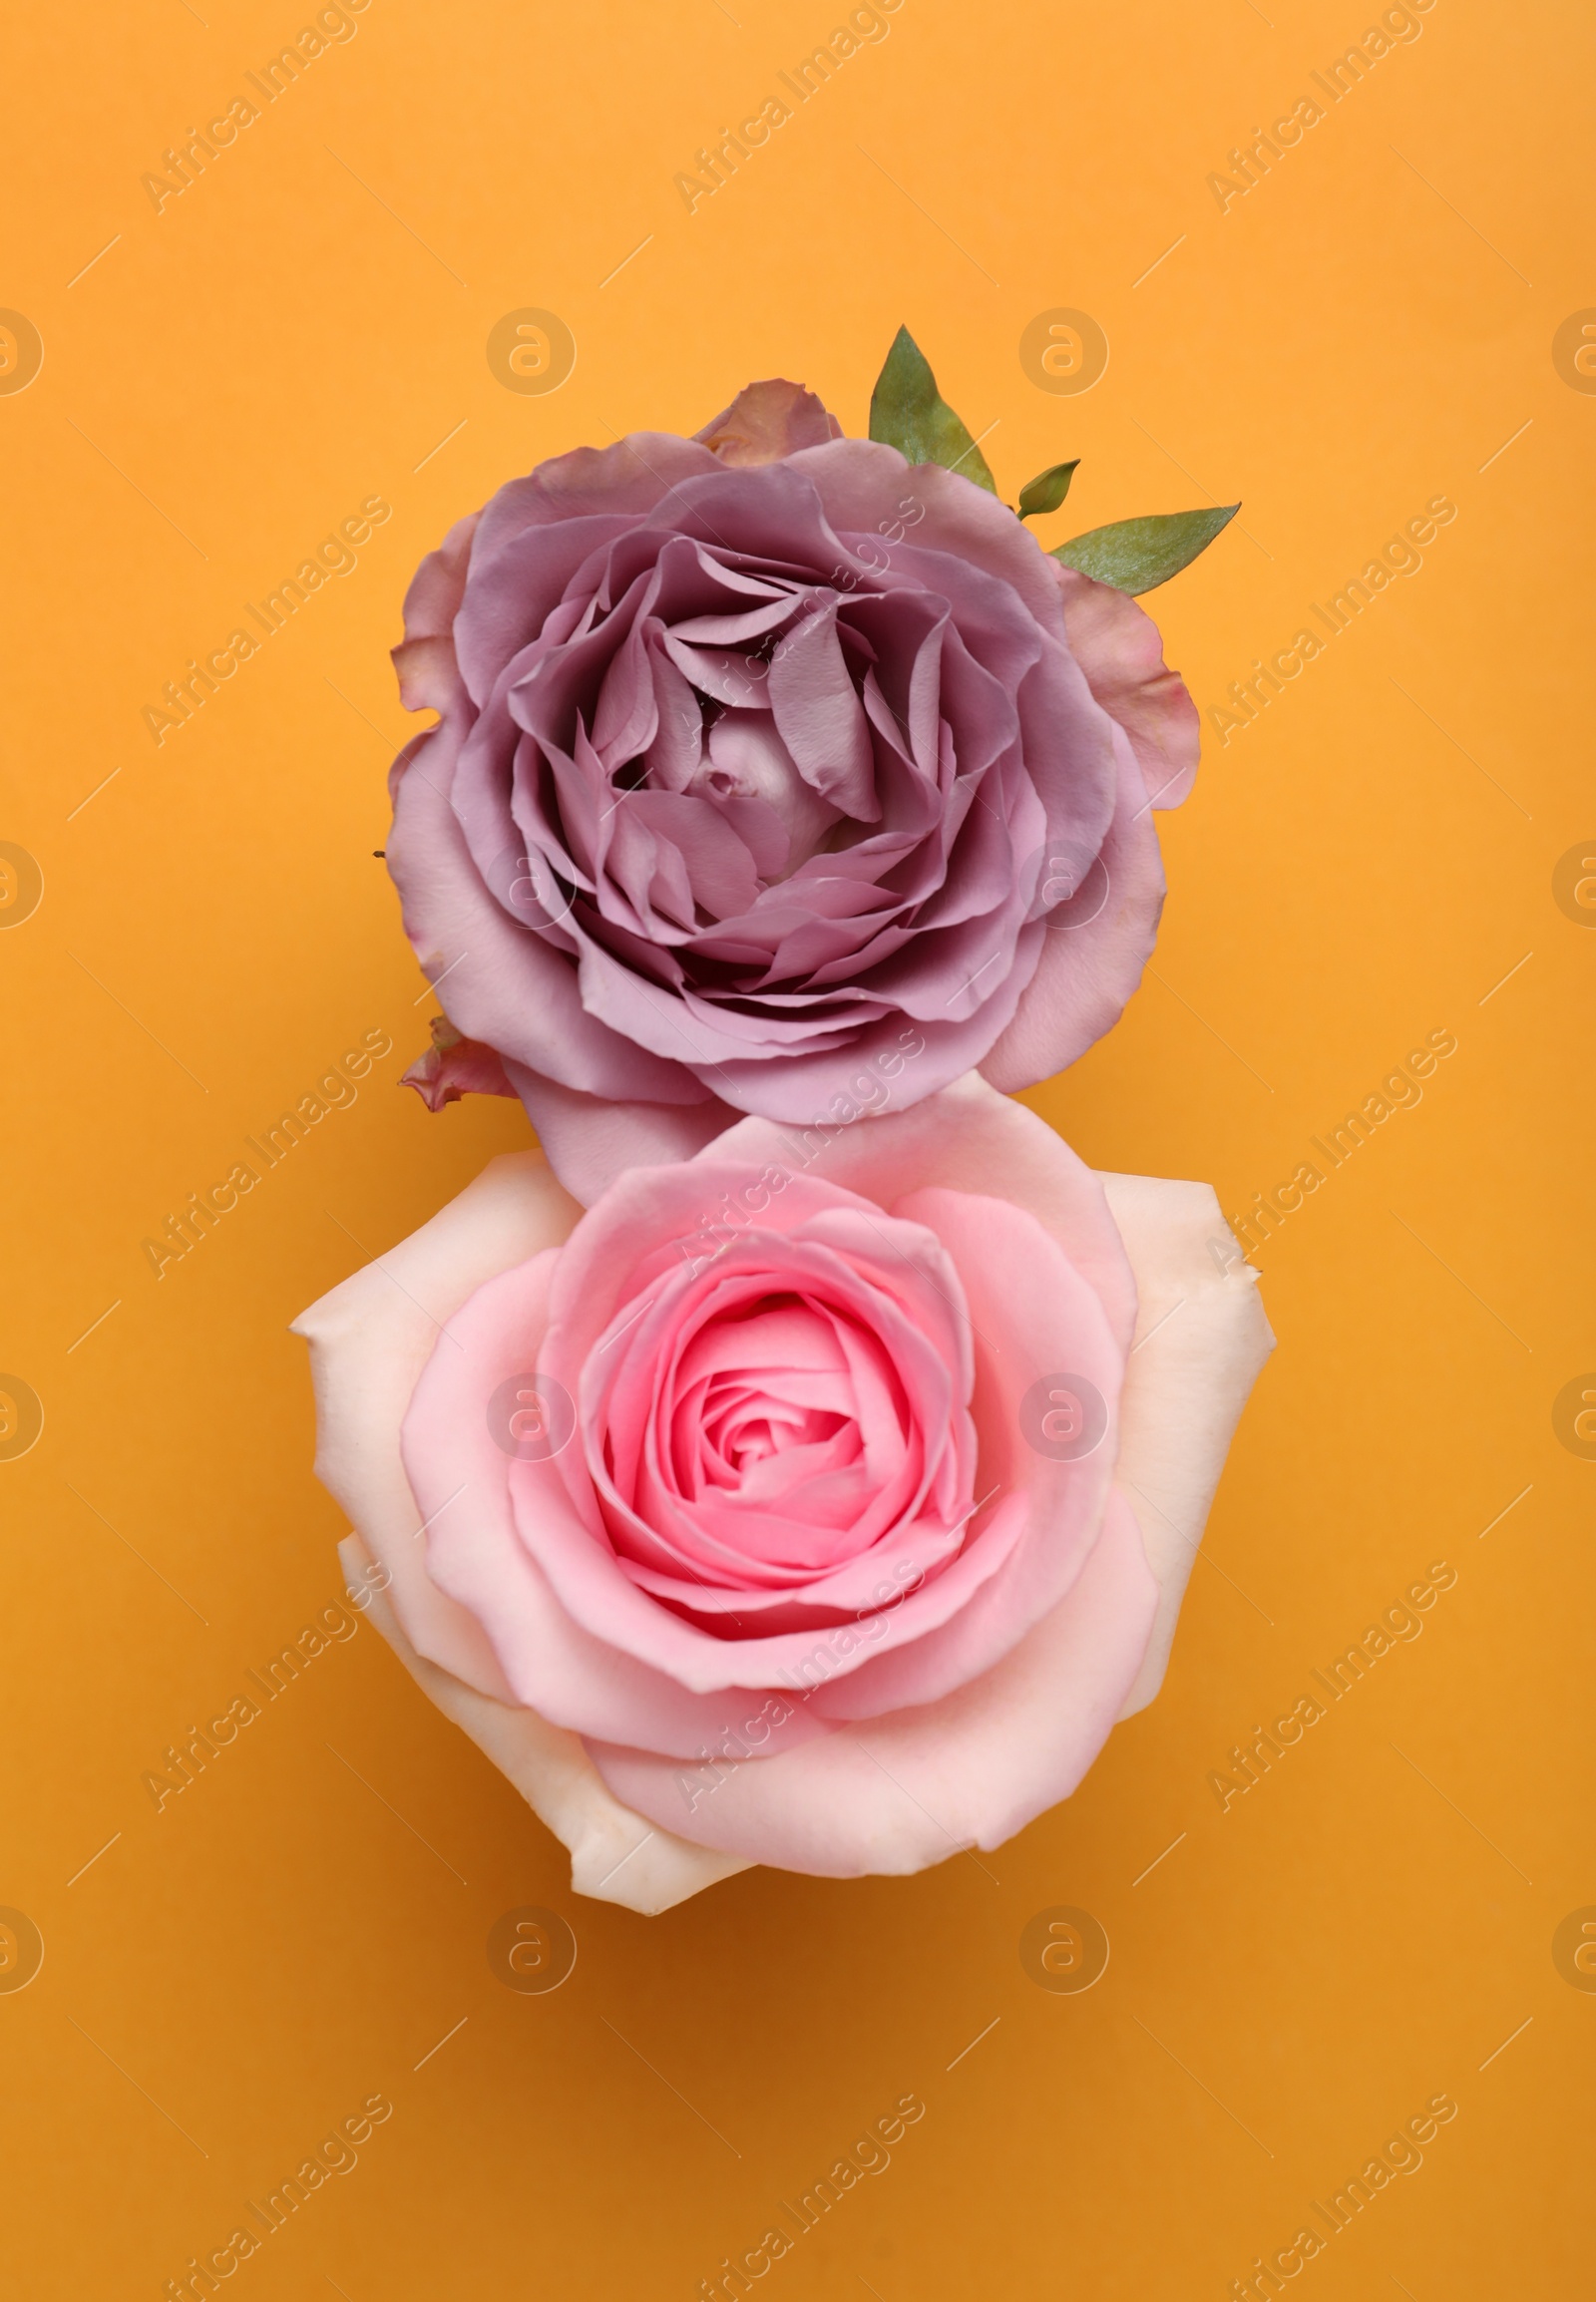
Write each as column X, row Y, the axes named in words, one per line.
column 454, row 1067
column 429, row 674
column 439, row 583
column 766, row 421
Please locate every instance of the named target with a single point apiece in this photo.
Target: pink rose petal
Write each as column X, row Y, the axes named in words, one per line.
column 899, row 1793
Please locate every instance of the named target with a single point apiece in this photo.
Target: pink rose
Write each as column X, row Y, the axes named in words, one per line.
column 762, row 758
column 806, row 1499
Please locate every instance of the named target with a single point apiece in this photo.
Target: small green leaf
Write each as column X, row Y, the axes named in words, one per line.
column 909, row 413
column 1047, row 491
column 1139, row 555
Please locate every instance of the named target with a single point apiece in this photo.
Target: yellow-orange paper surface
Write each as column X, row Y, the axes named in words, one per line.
column 1385, row 308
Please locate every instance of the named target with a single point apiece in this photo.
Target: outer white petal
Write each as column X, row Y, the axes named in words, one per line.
column 1201, row 1341
column 616, row 1856
column 369, row 1340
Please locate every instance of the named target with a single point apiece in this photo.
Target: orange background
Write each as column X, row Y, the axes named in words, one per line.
column 229, row 379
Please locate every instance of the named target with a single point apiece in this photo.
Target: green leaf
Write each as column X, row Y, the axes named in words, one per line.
column 1139, row 555
column 1047, row 491
column 909, row 413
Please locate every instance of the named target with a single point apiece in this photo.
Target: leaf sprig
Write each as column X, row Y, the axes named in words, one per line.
column 906, row 412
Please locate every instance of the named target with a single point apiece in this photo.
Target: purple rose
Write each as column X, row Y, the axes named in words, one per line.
column 774, row 775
